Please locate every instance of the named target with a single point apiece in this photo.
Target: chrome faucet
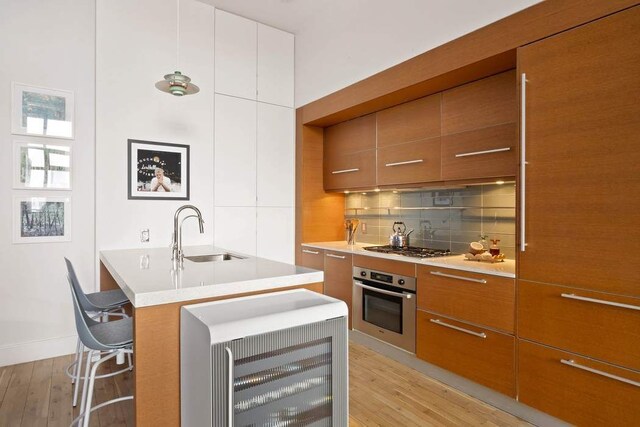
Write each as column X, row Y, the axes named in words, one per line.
column 177, row 256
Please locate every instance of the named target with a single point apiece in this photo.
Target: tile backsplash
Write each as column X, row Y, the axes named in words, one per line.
column 441, row 219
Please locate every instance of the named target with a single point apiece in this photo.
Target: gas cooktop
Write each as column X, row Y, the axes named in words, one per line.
column 411, row 251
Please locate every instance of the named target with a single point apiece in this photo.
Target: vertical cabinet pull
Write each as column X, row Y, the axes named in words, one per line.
column 573, row 364
column 229, row 387
column 523, row 157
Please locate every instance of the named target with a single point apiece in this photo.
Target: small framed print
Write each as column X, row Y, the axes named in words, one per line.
column 39, row 111
column 158, row 170
column 41, row 219
column 41, row 166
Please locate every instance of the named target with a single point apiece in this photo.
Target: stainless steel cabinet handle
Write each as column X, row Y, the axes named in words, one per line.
column 457, row 328
column 573, row 364
column 523, row 157
column 451, row 276
column 229, row 387
column 336, row 256
column 307, row 251
column 382, row 291
column 345, row 171
column 601, row 301
column 408, row 162
column 477, row 153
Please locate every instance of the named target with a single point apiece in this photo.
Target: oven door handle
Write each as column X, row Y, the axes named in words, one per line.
column 382, row 291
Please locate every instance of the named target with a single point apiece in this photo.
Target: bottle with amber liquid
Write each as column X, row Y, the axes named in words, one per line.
column 494, row 249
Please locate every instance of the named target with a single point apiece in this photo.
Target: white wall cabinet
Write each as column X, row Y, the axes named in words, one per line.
column 276, row 156
column 276, row 234
column 275, row 66
column 235, row 152
column 236, row 53
column 235, row 229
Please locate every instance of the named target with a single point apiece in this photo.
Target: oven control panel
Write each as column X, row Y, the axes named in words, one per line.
column 395, row 280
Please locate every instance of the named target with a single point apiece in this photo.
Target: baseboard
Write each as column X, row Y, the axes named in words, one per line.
column 36, row 350
column 462, row 384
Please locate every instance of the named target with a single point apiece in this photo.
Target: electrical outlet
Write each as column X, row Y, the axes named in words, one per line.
column 363, row 228
column 144, row 235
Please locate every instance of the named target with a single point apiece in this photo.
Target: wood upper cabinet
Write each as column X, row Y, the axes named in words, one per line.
column 411, row 121
column 349, row 154
column 338, row 277
column 413, row 162
column 479, row 129
column 582, row 182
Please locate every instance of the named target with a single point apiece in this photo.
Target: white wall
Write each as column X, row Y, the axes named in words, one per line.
column 48, row 44
column 347, row 41
column 136, row 46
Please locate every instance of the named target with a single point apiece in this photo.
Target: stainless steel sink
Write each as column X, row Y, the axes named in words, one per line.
column 213, row 257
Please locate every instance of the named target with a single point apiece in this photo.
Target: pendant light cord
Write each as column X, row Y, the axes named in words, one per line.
column 178, row 35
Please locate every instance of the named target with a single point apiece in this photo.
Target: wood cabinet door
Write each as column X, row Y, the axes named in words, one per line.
column 338, row 277
column 413, row 162
column 576, row 389
column 348, row 171
column 312, row 258
column 350, row 136
column 482, row 355
column 408, row 122
column 582, row 175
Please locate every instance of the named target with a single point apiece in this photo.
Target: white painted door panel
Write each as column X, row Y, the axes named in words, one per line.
column 236, row 55
column 276, row 234
column 235, row 152
column 276, row 155
column 275, row 66
column 235, row 229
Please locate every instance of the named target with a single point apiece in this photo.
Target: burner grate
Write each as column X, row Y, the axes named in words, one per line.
column 411, row 251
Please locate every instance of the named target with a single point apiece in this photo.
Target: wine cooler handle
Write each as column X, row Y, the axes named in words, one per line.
column 229, row 387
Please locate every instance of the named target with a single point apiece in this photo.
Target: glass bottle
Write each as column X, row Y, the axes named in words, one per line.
column 483, row 242
column 494, row 249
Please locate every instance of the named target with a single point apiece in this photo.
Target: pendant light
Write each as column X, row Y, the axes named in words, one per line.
column 177, row 83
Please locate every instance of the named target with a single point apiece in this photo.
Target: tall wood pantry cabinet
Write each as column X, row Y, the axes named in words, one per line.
column 579, row 264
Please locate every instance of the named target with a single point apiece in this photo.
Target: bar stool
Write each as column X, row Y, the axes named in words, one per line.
column 113, row 338
column 102, row 304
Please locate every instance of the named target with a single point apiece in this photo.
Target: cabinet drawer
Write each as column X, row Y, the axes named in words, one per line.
column 338, row 277
column 559, row 317
column 350, row 171
column 483, row 153
column 413, row 162
column 312, row 258
column 481, row 355
column 350, row 136
column 570, row 392
column 472, row 297
column 408, row 122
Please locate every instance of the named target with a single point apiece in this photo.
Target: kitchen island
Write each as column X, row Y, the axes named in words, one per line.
column 157, row 291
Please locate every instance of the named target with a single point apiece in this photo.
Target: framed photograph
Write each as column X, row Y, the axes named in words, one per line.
column 41, row 166
column 41, row 219
column 39, row 111
column 158, row 170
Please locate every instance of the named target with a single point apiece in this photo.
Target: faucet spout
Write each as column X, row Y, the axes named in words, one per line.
column 176, row 246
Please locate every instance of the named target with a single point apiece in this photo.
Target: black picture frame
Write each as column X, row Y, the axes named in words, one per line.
column 145, row 156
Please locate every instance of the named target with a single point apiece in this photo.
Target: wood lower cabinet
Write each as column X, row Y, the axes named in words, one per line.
column 413, row 162
column 479, row 354
column 602, row 326
column 484, row 153
column 477, row 298
column 312, row 258
column 338, row 277
column 581, row 183
column 577, row 389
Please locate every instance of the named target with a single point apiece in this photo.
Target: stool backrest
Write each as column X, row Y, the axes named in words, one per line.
column 84, row 322
column 82, row 297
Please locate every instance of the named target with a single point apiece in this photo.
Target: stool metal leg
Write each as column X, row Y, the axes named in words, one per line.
column 78, row 375
column 75, row 367
column 91, row 381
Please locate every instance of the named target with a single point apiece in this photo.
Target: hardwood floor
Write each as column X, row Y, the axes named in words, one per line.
column 382, row 393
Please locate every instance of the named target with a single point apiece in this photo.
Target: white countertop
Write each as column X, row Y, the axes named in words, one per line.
column 456, row 262
column 147, row 276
